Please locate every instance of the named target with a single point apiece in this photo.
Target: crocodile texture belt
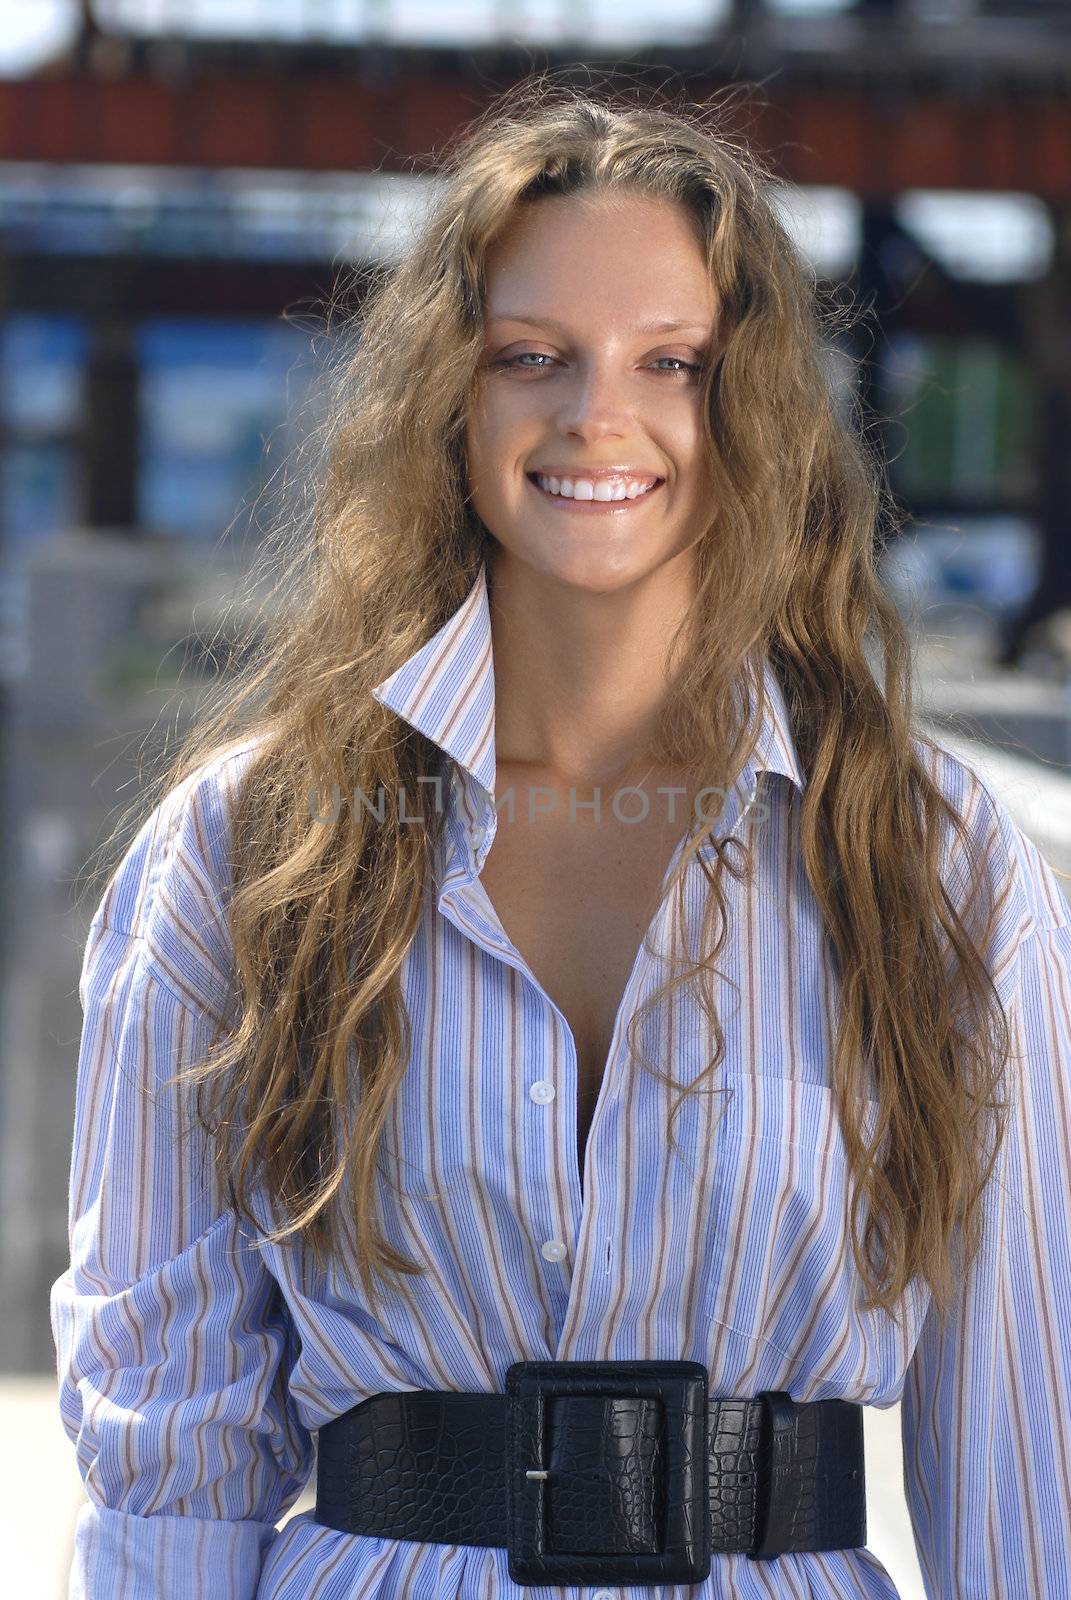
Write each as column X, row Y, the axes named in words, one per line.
column 599, row 1471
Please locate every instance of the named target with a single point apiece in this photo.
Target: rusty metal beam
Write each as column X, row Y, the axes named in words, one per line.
column 877, row 140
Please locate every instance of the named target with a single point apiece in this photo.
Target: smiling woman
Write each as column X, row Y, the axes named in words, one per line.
column 575, row 1169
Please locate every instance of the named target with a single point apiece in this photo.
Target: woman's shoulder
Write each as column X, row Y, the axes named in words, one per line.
column 170, row 889
column 999, row 799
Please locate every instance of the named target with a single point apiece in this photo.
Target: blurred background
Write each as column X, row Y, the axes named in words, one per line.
column 181, row 182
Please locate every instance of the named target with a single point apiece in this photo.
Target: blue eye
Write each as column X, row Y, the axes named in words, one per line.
column 513, row 361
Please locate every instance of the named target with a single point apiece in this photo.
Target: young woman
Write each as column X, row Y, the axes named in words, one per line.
column 558, row 923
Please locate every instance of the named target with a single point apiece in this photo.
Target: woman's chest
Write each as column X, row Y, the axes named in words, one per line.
column 576, row 899
column 718, row 1193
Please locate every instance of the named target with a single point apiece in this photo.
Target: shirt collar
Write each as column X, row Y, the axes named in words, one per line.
column 446, row 690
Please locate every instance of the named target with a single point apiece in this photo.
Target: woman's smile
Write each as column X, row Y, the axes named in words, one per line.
column 591, row 506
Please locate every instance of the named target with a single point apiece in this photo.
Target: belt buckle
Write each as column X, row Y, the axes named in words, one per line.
column 681, row 1489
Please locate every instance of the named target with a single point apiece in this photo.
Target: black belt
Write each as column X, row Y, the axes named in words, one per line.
column 599, row 1471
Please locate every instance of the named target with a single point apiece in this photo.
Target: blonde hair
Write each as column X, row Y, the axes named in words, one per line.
column 384, row 548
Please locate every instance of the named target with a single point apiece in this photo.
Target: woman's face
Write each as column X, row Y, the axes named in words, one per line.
column 577, row 377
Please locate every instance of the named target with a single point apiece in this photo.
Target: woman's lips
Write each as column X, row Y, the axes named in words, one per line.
column 589, row 508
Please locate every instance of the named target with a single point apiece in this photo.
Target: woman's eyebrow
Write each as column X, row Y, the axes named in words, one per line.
column 660, row 325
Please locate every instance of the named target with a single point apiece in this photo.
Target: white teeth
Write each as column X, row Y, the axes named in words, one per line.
column 587, row 489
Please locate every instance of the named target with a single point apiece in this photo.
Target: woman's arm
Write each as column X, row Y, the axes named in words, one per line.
column 986, row 1408
column 173, row 1343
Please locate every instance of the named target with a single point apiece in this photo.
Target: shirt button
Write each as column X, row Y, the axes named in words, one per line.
column 541, row 1091
column 553, row 1250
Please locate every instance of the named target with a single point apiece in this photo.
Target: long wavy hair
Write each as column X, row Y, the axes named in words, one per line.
column 380, row 548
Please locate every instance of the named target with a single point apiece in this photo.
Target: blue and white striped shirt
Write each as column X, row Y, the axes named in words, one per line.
column 195, row 1368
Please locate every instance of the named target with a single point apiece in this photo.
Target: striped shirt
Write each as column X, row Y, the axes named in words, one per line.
column 196, row 1368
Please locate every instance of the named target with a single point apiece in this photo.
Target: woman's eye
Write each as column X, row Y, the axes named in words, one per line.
column 684, row 366
column 515, row 361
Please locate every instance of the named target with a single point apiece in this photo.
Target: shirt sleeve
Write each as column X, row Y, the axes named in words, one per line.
column 985, row 1416
column 173, row 1343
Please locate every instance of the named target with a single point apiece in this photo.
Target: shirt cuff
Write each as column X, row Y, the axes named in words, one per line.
column 176, row 1558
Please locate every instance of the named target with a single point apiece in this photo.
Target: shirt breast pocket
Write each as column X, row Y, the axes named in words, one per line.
column 780, row 1262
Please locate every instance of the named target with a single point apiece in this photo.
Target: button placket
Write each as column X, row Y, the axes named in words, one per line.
column 542, row 1092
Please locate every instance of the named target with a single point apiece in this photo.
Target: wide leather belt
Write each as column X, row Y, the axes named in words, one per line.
column 599, row 1471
